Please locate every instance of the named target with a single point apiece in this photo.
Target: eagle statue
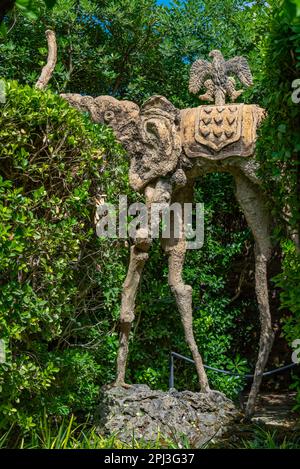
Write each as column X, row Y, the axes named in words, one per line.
column 216, row 77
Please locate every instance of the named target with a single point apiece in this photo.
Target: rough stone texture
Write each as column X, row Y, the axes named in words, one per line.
column 145, row 413
column 220, row 132
column 216, row 77
column 150, row 134
column 158, row 137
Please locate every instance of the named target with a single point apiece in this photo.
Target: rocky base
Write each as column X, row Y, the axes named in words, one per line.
column 141, row 413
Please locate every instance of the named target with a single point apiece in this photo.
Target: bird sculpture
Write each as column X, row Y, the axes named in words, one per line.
column 216, row 77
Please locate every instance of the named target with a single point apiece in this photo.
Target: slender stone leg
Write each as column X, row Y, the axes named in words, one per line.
column 176, row 249
column 138, row 258
column 253, row 205
column 160, row 193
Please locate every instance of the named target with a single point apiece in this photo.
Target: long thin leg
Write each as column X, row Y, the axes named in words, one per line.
column 252, row 202
column 183, row 296
column 176, row 249
column 160, row 193
column 130, row 287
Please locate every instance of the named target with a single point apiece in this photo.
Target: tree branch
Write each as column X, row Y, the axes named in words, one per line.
column 51, row 61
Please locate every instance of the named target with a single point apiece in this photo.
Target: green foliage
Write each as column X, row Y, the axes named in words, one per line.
column 52, row 281
column 29, row 8
column 289, row 280
column 266, row 439
column 129, row 48
column 69, row 434
column 60, row 284
column 278, row 152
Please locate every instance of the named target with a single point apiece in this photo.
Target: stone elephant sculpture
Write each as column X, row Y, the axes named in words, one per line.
column 168, row 150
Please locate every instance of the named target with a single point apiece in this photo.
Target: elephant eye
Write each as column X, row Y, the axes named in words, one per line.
column 109, row 115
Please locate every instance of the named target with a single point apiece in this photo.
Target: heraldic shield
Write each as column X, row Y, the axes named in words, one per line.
column 218, row 132
column 218, row 126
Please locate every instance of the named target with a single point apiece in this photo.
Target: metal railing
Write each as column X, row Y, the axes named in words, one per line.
column 247, row 376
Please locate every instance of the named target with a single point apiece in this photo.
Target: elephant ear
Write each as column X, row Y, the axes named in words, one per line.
column 161, row 144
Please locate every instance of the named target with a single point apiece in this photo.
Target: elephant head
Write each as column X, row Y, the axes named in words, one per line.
column 150, row 134
column 121, row 116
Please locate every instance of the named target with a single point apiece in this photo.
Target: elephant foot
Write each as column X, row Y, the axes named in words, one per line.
column 120, row 384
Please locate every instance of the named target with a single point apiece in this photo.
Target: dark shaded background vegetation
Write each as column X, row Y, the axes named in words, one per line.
column 59, row 284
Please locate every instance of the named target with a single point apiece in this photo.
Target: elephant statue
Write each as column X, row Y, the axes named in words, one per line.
column 169, row 149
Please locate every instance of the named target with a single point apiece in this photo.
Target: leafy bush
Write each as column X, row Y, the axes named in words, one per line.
column 69, row 434
column 278, row 152
column 263, row 438
column 289, row 282
column 53, row 282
